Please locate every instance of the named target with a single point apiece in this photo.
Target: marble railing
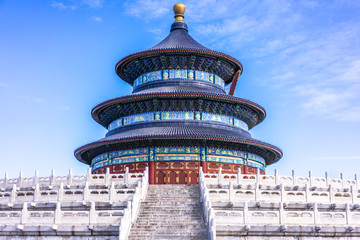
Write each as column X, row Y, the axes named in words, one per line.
column 70, row 179
column 95, row 200
column 206, row 205
column 276, row 179
column 272, row 205
column 281, row 193
column 287, row 213
column 223, row 187
column 86, row 214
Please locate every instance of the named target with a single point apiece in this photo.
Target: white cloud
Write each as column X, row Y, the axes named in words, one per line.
column 62, row 6
column 97, row 19
column 77, row 4
column 33, row 99
column 314, row 60
column 147, row 9
column 93, row 3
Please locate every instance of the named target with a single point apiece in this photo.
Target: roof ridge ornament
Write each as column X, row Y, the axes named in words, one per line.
column 179, row 10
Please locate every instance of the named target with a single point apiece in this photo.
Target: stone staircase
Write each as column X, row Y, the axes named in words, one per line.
column 170, row 212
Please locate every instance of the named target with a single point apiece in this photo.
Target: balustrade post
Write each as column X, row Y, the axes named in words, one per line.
column 92, row 214
column 307, row 193
column 353, row 193
column 53, row 177
column 212, row 226
column 231, row 191
column 327, row 179
column 146, row 175
column 200, row 174
column 257, row 191
column 129, row 207
column 57, row 216
column 36, row 192
column 219, row 175
column 126, row 177
column 112, row 192
column 282, row 219
column 246, row 213
column 107, row 176
column 24, row 214
column 282, row 192
column 20, row 179
column 6, row 179
column 239, row 177
column 212, row 229
column 88, row 175
column 294, row 178
column 86, row 192
column 348, row 214
column 276, row 176
column 316, row 214
column 70, row 177
column 330, row 193
column 36, row 178
column 310, row 179
column 13, row 194
column 258, row 175
column 61, row 192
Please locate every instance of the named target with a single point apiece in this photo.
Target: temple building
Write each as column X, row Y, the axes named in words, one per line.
column 178, row 162
column 179, row 116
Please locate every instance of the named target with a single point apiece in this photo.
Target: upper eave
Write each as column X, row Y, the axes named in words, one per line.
column 178, row 42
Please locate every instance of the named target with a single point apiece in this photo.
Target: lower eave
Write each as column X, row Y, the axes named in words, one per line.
column 85, row 153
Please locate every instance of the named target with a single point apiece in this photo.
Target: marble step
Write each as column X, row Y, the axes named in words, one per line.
column 156, row 194
column 166, row 208
column 148, row 233
column 171, row 213
column 170, row 204
column 200, row 236
column 148, row 222
column 169, row 229
column 171, row 199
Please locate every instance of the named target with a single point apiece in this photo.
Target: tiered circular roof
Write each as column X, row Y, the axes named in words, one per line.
column 178, row 51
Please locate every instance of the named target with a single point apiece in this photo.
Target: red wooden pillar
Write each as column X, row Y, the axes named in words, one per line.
column 204, row 166
column 152, row 172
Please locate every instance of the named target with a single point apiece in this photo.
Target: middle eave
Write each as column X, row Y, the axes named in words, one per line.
column 260, row 111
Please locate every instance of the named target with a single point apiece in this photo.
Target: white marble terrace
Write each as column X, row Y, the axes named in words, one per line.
column 71, row 205
column 273, row 205
column 234, row 205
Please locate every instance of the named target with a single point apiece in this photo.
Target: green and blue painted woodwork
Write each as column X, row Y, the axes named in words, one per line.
column 177, row 115
column 185, row 74
column 178, row 153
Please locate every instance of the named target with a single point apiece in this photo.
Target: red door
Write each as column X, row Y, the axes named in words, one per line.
column 172, row 177
column 160, row 177
column 193, row 177
column 182, row 177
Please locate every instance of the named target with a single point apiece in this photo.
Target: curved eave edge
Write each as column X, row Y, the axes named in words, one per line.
column 98, row 108
column 274, row 150
column 151, row 53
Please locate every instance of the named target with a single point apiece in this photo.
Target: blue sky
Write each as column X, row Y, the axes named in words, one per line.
column 301, row 63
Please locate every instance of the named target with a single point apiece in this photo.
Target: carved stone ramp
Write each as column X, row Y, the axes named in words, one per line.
column 170, row 212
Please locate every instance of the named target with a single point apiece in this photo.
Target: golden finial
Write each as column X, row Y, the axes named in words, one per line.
column 179, row 10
